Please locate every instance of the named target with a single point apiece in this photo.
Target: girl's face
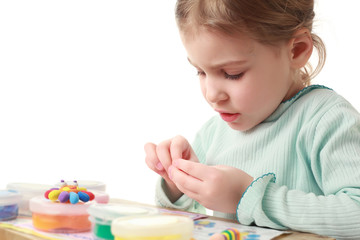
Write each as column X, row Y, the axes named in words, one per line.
column 243, row 80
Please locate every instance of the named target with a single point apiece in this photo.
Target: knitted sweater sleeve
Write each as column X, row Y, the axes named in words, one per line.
column 335, row 162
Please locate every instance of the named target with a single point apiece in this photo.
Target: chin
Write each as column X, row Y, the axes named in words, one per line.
column 240, row 127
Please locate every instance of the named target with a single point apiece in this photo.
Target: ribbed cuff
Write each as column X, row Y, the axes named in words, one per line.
column 162, row 199
column 248, row 207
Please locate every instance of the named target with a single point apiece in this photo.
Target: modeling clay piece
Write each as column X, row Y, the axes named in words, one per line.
column 64, row 197
column 83, row 196
column 228, row 234
column 69, row 193
column 54, row 194
column 74, row 198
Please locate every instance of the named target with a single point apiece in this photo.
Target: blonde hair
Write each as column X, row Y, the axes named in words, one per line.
column 266, row 21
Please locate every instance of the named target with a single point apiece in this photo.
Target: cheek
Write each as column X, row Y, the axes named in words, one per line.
column 255, row 94
column 245, row 97
column 202, row 88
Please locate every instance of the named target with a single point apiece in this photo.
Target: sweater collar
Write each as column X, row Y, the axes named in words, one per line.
column 286, row 104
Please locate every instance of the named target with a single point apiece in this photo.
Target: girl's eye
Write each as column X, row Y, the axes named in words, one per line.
column 234, row 77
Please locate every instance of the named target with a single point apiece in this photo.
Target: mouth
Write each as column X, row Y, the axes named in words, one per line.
column 229, row 117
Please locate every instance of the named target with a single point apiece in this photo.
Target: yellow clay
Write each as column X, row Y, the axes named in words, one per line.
column 54, row 194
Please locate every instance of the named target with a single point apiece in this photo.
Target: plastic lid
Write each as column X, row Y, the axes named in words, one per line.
column 44, row 206
column 109, row 212
column 28, row 187
column 152, row 225
column 9, row 197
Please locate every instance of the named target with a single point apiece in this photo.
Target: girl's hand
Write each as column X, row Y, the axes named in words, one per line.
column 219, row 188
column 160, row 157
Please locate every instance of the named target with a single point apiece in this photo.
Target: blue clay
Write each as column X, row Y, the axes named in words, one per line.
column 83, row 196
column 74, row 198
column 8, row 212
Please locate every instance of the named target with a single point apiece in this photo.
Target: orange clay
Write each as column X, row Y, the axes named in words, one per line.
column 73, row 190
column 70, row 189
column 61, row 223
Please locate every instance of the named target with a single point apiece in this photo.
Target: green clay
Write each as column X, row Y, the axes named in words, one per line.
column 103, row 231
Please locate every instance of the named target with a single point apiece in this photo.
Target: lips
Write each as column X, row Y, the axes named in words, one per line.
column 229, row 117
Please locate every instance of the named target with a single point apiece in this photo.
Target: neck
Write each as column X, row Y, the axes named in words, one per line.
column 296, row 87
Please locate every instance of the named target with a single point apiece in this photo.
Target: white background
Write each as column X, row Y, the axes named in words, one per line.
column 85, row 84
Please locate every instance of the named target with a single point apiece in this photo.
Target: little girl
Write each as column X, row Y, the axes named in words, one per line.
column 280, row 153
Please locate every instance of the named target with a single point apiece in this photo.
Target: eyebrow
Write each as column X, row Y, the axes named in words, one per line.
column 220, row 65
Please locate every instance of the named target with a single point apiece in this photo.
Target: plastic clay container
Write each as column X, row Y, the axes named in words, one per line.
column 157, row 227
column 9, row 205
column 28, row 191
column 102, row 216
column 59, row 217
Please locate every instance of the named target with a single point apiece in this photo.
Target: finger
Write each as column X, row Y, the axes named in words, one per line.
column 163, row 154
column 186, row 183
column 153, row 162
column 187, row 192
column 194, row 169
column 180, row 148
column 151, row 158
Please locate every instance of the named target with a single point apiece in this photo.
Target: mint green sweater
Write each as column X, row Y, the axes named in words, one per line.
column 305, row 158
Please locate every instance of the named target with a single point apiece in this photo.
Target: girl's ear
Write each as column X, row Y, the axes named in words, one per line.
column 301, row 47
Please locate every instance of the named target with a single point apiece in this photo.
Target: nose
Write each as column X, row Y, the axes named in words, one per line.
column 214, row 90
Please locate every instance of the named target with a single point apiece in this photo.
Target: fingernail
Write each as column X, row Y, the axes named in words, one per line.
column 159, row 166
